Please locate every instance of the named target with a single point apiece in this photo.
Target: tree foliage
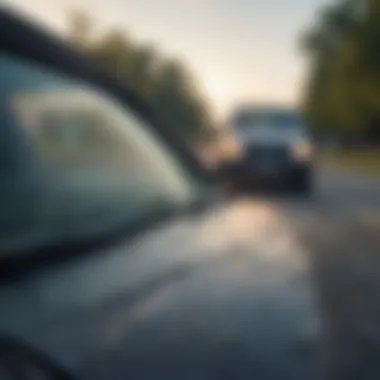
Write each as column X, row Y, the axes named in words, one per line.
column 342, row 95
column 165, row 83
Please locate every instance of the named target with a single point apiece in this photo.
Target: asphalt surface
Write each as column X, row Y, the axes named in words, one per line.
column 339, row 230
column 268, row 286
column 281, row 286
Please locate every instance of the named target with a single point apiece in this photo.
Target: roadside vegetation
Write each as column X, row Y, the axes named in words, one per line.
column 363, row 160
column 165, row 82
column 342, row 93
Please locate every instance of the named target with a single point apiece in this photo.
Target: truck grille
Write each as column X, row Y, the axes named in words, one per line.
column 265, row 153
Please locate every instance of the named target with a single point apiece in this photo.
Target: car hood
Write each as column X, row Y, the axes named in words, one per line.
column 222, row 294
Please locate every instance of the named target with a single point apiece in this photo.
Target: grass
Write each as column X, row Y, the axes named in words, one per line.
column 361, row 160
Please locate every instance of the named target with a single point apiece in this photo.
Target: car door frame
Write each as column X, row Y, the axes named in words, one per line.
column 25, row 40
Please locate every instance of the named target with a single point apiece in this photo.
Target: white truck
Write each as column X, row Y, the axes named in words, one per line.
column 276, row 147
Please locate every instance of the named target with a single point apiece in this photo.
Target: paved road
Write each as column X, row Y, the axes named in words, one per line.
column 242, row 298
column 339, row 230
column 232, row 293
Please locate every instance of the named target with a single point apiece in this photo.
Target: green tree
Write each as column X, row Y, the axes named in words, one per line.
column 167, row 84
column 331, row 102
column 79, row 29
column 178, row 98
column 115, row 52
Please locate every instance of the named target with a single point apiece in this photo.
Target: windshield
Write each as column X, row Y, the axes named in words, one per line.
column 76, row 163
column 251, row 119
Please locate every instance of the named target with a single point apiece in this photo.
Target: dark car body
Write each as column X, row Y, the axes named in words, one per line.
column 209, row 293
column 271, row 140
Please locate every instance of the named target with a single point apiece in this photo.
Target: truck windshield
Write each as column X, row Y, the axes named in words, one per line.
column 244, row 120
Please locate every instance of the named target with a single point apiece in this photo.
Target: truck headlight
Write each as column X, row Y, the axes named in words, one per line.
column 302, row 151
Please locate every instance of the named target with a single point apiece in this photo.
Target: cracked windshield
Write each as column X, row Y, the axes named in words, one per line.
column 191, row 188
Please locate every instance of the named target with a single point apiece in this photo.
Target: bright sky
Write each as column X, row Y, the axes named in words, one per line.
column 239, row 50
